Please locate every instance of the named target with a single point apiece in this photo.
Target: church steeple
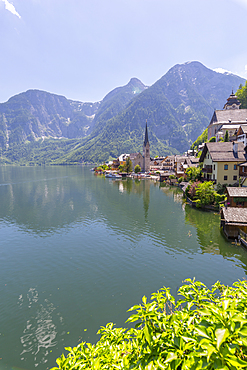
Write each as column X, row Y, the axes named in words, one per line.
column 146, row 135
column 146, row 152
column 232, row 102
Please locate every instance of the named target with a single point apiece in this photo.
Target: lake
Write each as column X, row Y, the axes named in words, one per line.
column 78, row 250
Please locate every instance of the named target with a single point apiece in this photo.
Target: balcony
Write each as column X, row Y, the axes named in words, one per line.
column 207, row 169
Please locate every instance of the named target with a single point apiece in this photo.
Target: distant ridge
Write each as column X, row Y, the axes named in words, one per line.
column 178, row 107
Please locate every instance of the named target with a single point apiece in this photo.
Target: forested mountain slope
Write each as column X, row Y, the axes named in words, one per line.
column 178, row 107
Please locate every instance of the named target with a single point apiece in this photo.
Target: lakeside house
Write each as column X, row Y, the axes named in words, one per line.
column 221, row 161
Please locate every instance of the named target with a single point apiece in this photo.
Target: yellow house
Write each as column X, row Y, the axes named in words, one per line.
column 220, row 161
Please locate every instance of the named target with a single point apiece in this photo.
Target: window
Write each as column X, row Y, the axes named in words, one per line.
column 225, row 178
column 235, row 177
column 214, row 167
column 225, row 166
column 235, row 167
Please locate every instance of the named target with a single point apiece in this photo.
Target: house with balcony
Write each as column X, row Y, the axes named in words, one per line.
column 220, row 161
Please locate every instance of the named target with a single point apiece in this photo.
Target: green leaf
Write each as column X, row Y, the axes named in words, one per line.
column 234, row 361
column 147, row 333
column 144, row 299
column 202, row 331
column 221, row 335
column 243, row 332
column 170, row 357
column 225, row 304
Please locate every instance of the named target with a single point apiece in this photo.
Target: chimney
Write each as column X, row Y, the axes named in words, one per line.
column 235, row 149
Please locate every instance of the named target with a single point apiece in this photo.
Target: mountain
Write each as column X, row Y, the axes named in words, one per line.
column 178, row 107
column 38, row 114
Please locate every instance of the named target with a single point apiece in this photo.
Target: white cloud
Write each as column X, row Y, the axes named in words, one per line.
column 10, row 7
column 245, row 67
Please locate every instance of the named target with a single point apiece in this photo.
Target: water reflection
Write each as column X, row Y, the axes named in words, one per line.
column 40, row 332
column 91, row 247
column 210, row 237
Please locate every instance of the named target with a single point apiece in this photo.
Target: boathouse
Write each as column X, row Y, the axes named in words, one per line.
column 233, row 220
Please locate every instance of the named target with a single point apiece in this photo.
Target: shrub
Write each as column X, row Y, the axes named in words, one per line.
column 193, row 173
column 192, row 190
column 172, row 177
column 212, row 139
column 219, row 198
column 205, row 329
column 180, row 179
column 205, row 192
column 137, row 168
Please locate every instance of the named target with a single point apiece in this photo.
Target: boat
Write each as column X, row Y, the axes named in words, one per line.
column 112, row 175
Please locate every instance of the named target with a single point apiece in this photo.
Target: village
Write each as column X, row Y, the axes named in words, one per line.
column 212, row 176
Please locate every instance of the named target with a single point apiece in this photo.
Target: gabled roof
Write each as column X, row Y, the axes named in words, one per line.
column 223, row 152
column 242, row 130
column 134, row 155
column 235, row 215
column 237, row 192
column 229, row 116
column 191, row 161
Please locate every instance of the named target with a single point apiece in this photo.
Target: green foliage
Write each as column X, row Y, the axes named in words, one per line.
column 180, row 179
column 226, row 137
column 205, row 192
column 192, row 189
column 242, row 95
column 212, row 139
column 172, row 177
column 205, row 329
column 121, row 167
column 193, row 173
column 219, row 198
column 128, row 165
column 203, row 138
column 137, row 168
column 221, row 188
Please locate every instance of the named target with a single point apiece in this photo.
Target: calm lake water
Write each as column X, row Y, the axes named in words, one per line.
column 77, row 250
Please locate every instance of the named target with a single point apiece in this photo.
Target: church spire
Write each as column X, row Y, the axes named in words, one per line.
column 146, row 135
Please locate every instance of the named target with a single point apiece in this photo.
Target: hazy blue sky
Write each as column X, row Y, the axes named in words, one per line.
column 82, row 49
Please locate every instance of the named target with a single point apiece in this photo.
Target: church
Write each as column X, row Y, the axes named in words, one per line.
column 230, row 118
column 143, row 160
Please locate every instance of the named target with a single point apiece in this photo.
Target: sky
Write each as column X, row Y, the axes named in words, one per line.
column 82, row 49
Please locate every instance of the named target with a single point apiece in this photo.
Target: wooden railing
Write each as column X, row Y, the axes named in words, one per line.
column 243, row 235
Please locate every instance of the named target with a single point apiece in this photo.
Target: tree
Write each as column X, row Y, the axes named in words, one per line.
column 121, row 167
column 242, row 95
column 226, row 137
column 212, row 139
column 193, row 173
column 128, row 165
column 192, row 189
column 137, row 168
column 205, row 192
column 201, row 139
column 205, row 329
